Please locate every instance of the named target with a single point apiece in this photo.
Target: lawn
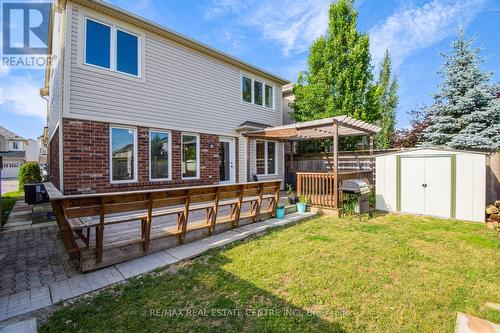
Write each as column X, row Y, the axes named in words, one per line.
column 8, row 201
column 388, row 274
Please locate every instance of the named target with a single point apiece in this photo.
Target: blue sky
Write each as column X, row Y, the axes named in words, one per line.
column 275, row 35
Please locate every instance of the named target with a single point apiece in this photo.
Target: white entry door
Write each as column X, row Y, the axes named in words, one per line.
column 227, row 165
column 426, row 185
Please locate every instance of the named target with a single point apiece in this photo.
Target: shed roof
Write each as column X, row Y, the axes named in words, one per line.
column 316, row 129
column 438, row 148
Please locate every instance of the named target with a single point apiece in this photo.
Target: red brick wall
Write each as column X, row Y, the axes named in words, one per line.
column 86, row 159
column 53, row 159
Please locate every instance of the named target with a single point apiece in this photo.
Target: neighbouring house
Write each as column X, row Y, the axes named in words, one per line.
column 32, row 151
column 13, row 151
column 42, row 150
column 134, row 105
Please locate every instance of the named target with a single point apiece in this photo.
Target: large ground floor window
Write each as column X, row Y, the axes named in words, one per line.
column 266, row 157
column 190, row 155
column 159, row 154
column 123, row 154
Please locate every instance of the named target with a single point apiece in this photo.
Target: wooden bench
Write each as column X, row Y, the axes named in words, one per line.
column 77, row 215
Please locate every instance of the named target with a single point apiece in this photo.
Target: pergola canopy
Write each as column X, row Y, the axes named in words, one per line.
column 316, row 129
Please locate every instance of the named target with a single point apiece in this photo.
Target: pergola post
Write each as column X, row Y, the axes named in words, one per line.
column 335, row 165
column 372, row 159
column 291, row 156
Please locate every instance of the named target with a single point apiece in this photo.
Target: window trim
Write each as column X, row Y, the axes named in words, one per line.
column 197, row 154
column 272, row 95
column 134, row 180
column 169, row 155
column 251, row 89
column 252, row 86
column 16, row 143
column 113, row 47
column 266, row 158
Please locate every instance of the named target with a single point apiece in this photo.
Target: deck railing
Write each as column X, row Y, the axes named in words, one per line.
column 318, row 188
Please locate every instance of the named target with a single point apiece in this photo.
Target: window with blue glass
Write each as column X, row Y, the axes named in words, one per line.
column 102, row 41
column 127, row 55
column 98, row 44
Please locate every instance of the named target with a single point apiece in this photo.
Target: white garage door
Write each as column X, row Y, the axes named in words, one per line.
column 426, row 185
column 10, row 169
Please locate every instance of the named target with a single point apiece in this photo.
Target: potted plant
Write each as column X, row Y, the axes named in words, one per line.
column 292, row 199
column 280, row 212
column 302, row 205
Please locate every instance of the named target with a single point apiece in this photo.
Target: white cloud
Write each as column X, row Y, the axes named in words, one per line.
column 416, row 28
column 293, row 24
column 21, row 95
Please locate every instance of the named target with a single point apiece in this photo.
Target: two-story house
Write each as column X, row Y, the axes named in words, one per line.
column 13, row 151
column 134, row 105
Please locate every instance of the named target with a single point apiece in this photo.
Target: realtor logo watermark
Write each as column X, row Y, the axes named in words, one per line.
column 25, row 32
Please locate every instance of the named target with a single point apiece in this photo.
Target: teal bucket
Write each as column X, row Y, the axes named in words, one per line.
column 280, row 212
column 301, row 207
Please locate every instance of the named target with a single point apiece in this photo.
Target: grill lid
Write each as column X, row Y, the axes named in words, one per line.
column 355, row 186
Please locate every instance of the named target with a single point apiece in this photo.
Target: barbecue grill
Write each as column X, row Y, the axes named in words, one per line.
column 361, row 190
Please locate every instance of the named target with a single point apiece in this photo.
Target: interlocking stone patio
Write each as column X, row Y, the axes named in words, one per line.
column 32, row 258
column 36, row 272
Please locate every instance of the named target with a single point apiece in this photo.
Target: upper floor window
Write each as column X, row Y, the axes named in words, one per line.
column 98, row 44
column 112, row 48
column 15, row 145
column 256, row 92
column 269, row 96
column 246, row 89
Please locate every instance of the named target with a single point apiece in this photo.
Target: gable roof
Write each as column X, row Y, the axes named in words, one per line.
column 145, row 24
column 9, row 135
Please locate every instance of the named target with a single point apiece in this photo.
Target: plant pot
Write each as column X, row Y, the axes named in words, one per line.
column 301, row 207
column 280, row 212
column 292, row 200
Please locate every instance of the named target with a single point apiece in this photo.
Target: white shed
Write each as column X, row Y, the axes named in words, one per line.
column 432, row 181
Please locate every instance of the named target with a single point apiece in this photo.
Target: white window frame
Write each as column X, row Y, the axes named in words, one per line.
column 111, row 155
column 113, row 52
column 169, row 156
column 272, row 95
column 266, row 142
column 197, row 154
column 252, row 87
column 14, row 143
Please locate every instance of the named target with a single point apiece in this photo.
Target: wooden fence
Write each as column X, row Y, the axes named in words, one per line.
column 492, row 178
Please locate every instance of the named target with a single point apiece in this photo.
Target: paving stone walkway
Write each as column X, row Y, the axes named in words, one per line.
column 33, row 258
column 58, row 280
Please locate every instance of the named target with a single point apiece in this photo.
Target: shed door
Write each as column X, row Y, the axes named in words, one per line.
column 426, row 185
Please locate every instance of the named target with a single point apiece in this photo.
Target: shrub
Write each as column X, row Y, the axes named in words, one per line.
column 29, row 173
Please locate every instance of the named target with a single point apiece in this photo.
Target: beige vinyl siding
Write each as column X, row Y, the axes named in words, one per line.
column 55, row 100
column 181, row 89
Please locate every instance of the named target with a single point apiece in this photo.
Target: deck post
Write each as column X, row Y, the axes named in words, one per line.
column 335, row 165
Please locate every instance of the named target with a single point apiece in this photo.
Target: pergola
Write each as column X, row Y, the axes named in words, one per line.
column 334, row 127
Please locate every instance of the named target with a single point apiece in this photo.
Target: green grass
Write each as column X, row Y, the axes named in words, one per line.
column 388, row 274
column 8, row 201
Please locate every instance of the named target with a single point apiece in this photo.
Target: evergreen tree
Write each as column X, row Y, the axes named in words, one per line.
column 387, row 95
column 465, row 113
column 339, row 78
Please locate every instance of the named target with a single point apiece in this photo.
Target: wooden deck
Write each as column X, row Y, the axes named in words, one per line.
column 104, row 229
